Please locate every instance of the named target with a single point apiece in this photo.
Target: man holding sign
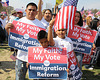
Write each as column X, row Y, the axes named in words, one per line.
column 22, row 56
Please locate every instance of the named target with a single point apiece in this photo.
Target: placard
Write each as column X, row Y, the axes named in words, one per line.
column 90, row 58
column 47, row 63
column 82, row 39
column 74, row 71
column 23, row 35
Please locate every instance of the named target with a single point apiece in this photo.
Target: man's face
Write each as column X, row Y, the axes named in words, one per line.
column 44, row 42
column 47, row 15
column 61, row 33
column 19, row 14
column 31, row 12
column 2, row 17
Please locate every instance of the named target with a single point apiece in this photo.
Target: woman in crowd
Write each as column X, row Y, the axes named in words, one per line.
column 88, row 20
column 93, row 26
column 79, row 22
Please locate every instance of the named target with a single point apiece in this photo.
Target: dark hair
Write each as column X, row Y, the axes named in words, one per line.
column 31, row 4
column 80, row 23
column 93, row 23
column 42, row 34
column 48, row 10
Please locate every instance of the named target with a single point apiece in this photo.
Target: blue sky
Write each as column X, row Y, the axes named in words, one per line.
column 88, row 4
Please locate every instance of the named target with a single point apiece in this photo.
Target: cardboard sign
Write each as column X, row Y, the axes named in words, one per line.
column 47, row 63
column 23, row 35
column 74, row 71
column 82, row 39
column 90, row 58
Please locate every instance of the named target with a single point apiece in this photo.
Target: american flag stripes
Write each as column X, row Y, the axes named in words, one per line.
column 66, row 15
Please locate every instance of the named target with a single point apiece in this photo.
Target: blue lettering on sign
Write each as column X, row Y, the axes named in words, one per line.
column 53, row 71
column 81, row 46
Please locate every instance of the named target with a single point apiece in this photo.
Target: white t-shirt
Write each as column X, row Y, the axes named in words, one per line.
column 22, row 55
column 67, row 43
column 46, row 25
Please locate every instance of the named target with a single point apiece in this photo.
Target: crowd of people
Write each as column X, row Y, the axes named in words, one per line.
column 45, row 19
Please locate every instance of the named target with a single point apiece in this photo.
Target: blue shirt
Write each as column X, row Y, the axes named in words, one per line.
column 17, row 18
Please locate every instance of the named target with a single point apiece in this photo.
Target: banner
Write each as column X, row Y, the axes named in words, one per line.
column 82, row 39
column 23, row 35
column 47, row 63
column 58, row 2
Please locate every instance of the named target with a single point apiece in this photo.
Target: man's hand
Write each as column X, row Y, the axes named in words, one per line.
column 67, row 70
column 27, row 65
column 88, row 28
column 94, row 47
column 9, row 26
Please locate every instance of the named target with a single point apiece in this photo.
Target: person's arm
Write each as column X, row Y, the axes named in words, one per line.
column 27, row 65
column 9, row 26
column 39, row 14
column 50, row 36
column 56, row 9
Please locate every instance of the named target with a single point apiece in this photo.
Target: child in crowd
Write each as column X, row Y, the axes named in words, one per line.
column 62, row 41
column 42, row 38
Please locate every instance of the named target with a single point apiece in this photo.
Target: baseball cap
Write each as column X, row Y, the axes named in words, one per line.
column 19, row 12
column 13, row 11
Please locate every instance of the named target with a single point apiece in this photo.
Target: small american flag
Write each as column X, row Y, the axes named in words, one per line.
column 66, row 16
column 82, row 10
column 5, row 4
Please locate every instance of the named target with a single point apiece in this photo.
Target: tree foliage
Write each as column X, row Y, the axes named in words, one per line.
column 0, row 5
column 6, row 9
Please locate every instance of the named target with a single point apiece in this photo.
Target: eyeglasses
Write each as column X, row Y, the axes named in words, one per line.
column 31, row 9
